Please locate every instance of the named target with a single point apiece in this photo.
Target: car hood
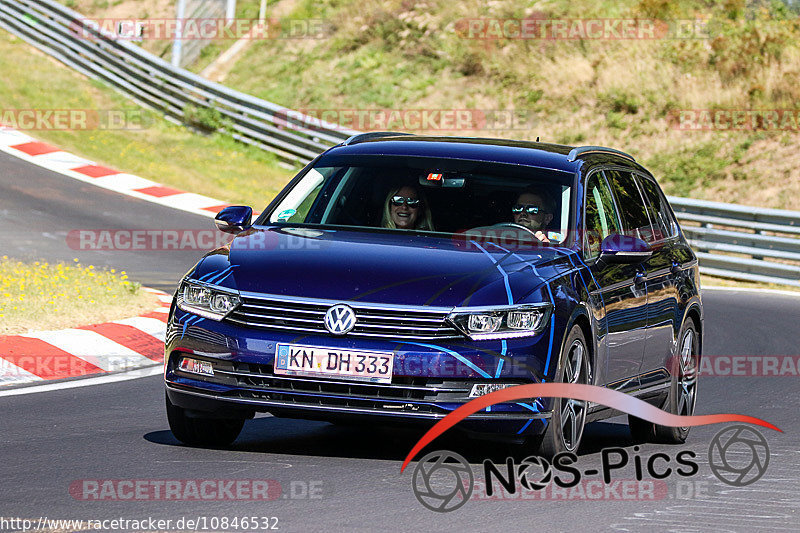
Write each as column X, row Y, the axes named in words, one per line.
column 385, row 267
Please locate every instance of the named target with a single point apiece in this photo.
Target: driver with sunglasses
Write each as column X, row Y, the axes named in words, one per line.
column 405, row 208
column 532, row 212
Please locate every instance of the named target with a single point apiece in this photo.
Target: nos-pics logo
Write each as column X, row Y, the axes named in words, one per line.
column 443, row 480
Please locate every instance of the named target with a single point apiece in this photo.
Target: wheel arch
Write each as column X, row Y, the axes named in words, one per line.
column 694, row 312
column 580, row 317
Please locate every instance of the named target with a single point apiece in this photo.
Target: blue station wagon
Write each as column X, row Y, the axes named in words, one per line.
column 399, row 276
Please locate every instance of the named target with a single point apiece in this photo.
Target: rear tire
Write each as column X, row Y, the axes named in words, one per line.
column 682, row 395
column 565, row 428
column 641, row 430
column 216, row 432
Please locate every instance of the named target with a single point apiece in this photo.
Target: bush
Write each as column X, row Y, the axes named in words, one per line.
column 619, row 101
column 207, row 119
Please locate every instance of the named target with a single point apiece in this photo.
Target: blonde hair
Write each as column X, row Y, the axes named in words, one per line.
column 425, row 220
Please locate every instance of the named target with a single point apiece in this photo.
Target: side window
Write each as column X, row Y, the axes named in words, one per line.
column 658, row 208
column 600, row 215
column 631, row 205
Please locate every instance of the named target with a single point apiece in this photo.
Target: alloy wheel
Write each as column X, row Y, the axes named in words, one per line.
column 573, row 412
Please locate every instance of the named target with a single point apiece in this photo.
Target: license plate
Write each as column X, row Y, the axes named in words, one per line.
column 316, row 361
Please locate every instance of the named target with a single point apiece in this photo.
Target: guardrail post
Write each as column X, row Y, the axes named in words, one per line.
column 177, row 44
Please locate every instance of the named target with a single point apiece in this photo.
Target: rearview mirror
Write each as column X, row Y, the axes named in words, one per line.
column 617, row 249
column 445, row 180
column 234, row 219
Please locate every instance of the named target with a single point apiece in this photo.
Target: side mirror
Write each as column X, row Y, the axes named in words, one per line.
column 616, row 249
column 234, row 219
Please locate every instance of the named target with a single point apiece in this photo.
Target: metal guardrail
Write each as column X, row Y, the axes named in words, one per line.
column 732, row 241
column 741, row 242
column 154, row 83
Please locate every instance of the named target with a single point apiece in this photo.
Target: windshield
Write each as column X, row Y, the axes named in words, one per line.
column 425, row 194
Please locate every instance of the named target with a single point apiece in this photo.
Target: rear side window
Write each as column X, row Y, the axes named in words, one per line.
column 658, row 208
column 631, row 205
column 601, row 215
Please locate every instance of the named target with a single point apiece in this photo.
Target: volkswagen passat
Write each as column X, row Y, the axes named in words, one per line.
column 397, row 277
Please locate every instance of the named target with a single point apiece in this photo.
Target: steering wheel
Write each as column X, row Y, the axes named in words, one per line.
column 515, row 225
column 520, row 226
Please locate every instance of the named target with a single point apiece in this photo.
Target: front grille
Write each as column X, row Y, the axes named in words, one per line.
column 372, row 320
column 258, row 376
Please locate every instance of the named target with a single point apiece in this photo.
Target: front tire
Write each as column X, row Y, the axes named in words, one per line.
column 565, row 429
column 216, row 432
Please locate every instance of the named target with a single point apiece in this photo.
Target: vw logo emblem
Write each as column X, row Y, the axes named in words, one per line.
column 340, row 319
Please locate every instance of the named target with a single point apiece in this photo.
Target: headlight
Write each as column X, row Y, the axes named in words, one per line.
column 206, row 300
column 480, row 323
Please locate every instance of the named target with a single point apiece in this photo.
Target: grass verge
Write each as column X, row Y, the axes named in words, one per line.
column 713, row 281
column 41, row 296
column 624, row 93
column 148, row 146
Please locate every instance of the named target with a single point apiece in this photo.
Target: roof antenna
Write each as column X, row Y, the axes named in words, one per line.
column 537, row 139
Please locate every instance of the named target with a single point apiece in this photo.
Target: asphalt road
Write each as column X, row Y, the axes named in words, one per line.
column 342, row 477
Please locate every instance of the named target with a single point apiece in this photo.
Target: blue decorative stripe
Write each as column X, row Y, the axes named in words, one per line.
column 531, row 407
column 208, row 275
column 503, row 349
column 528, row 423
column 502, row 271
column 221, row 275
column 589, row 270
column 552, row 301
column 514, row 255
column 192, row 320
column 552, row 331
column 457, row 355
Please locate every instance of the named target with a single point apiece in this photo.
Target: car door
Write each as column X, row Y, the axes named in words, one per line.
column 662, row 294
column 623, row 299
column 635, row 223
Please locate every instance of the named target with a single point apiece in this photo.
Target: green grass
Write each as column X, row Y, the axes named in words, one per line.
column 213, row 165
column 392, row 54
column 395, row 54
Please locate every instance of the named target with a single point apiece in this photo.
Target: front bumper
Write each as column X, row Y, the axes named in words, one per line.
column 429, row 380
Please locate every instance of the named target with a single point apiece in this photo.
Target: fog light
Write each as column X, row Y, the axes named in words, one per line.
column 195, row 366
column 479, row 389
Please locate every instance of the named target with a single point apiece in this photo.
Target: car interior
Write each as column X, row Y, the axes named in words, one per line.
column 458, row 201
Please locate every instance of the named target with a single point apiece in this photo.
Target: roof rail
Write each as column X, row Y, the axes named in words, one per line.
column 581, row 150
column 359, row 137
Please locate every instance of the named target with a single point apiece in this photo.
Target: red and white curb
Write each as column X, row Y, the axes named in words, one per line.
column 119, row 345
column 25, row 147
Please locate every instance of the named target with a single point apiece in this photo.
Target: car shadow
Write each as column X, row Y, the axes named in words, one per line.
column 381, row 442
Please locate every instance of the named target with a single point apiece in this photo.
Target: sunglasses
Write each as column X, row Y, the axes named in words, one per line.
column 397, row 201
column 530, row 209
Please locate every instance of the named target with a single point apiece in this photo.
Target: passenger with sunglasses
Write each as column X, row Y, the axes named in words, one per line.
column 532, row 211
column 406, row 208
